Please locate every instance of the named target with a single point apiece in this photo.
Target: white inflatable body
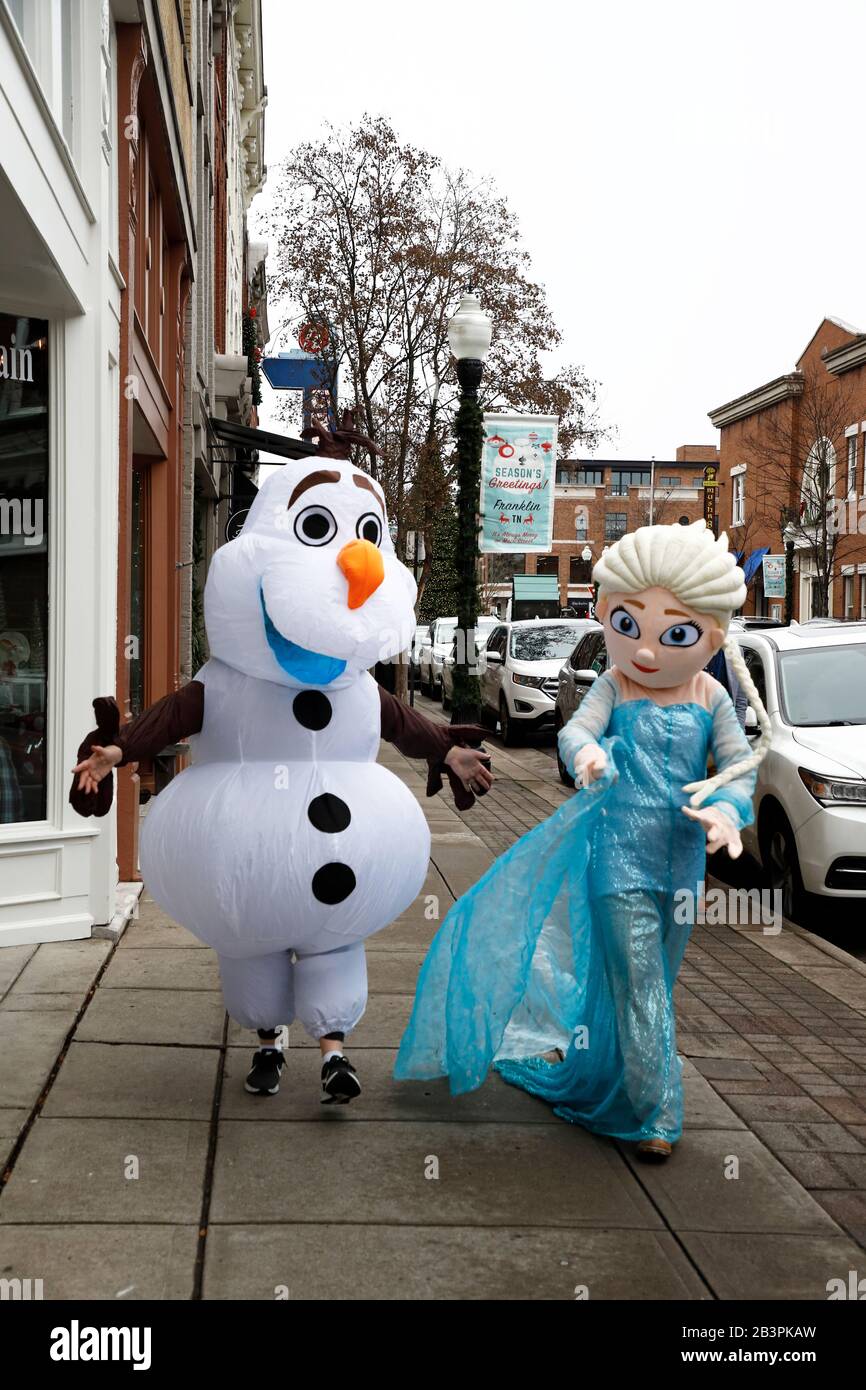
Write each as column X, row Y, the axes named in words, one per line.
column 284, row 833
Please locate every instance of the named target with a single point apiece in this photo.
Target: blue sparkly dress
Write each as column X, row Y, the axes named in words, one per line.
column 574, row 937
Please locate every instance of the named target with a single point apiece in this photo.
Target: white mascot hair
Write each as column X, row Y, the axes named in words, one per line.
column 701, row 572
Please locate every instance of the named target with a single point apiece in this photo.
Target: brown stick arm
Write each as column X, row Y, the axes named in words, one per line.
column 168, row 720
column 416, row 736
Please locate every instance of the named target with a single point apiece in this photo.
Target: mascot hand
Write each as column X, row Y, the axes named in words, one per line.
column 97, row 766
column 468, row 764
column 590, row 764
column 720, row 829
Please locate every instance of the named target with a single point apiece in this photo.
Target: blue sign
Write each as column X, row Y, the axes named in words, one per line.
column 296, row 371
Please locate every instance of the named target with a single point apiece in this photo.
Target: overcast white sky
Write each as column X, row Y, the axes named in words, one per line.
column 688, row 176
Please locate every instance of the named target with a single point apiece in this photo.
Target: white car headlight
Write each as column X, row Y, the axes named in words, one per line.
column 536, row 681
column 834, row 791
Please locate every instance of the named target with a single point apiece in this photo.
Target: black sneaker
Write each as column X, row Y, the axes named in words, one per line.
column 263, row 1078
column 339, row 1081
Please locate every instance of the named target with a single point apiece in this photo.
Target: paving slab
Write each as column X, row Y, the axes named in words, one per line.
column 30, row 1044
column 405, row 935
column 164, row 1083
column 162, row 967
column 759, row 1267
column 394, row 972
column 704, row 1107
column 462, row 864
column 194, row 1016
column 12, row 961
column 383, row 1098
column 816, row 1138
column 455, row 1262
column 489, row 1175
column 122, row 1263
column 840, row 981
column 152, row 930
column 693, row 1193
column 12, row 1121
column 73, row 1170
column 64, row 967
column 17, row 1001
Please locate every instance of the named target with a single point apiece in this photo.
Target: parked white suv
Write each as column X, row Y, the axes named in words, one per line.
column 483, row 628
column 810, row 801
column 519, row 672
column 434, row 649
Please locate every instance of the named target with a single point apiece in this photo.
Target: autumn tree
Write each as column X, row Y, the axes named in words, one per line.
column 378, row 239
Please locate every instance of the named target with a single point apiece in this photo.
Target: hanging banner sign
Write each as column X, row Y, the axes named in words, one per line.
column 774, row 576
column 518, row 462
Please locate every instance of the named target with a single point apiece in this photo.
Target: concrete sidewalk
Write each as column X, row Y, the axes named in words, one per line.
column 139, row 1168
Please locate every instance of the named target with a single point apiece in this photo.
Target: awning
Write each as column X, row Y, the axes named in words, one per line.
column 536, row 586
column 227, row 433
column 754, row 560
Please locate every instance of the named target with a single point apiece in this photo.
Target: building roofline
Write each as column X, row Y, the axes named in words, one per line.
column 761, row 398
column 838, row 323
column 842, row 359
column 634, row 463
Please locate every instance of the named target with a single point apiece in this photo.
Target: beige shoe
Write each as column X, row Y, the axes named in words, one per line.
column 654, row 1150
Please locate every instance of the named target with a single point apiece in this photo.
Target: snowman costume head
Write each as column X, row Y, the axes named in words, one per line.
column 312, row 592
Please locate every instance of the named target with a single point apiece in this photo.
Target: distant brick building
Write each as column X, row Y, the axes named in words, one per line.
column 768, row 453
column 596, row 502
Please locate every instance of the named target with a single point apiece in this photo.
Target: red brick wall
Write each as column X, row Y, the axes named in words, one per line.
column 745, row 442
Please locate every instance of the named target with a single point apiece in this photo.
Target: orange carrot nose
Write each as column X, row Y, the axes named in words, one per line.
column 362, row 564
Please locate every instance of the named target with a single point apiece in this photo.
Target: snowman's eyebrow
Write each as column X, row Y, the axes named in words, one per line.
column 365, row 482
column 321, row 475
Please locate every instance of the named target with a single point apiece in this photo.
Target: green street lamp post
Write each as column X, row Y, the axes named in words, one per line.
column 469, row 335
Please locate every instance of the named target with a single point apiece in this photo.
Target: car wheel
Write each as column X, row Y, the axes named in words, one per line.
column 565, row 776
column 507, row 729
column 782, row 866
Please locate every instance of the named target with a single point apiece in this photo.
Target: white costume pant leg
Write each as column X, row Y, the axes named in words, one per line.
column 331, row 990
column 326, row 993
column 259, row 990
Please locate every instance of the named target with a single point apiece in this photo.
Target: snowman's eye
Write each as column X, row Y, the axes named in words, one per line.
column 315, row 526
column 369, row 528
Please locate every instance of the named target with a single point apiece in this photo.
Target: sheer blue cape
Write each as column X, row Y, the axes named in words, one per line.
column 512, row 964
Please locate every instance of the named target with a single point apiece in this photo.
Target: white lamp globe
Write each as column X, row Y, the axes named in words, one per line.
column 470, row 330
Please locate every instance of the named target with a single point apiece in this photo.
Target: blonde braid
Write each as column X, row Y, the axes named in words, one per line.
column 703, row 789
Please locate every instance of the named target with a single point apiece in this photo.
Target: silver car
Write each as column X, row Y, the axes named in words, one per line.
column 585, row 664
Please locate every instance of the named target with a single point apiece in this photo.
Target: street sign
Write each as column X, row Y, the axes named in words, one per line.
column 774, row 576
column 517, row 469
column 296, row 371
column 314, row 337
column 710, row 484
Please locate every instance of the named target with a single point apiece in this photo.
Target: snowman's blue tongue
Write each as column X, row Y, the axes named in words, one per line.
column 304, row 665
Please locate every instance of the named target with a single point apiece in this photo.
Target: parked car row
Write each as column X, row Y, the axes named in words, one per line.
column 809, row 831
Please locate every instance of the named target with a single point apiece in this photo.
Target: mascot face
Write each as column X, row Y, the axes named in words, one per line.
column 311, row 592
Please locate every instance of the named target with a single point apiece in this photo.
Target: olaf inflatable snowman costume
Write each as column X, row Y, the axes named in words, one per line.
column 284, row 844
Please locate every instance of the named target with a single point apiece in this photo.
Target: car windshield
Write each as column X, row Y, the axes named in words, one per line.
column 543, row 643
column 445, row 631
column 824, row 685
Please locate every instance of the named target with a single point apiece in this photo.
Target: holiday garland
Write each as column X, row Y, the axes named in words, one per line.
column 253, row 354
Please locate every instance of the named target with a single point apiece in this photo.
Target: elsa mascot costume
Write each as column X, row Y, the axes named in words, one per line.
column 570, row 944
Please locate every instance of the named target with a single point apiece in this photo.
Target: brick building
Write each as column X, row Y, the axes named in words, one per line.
column 596, row 502
column 791, row 455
